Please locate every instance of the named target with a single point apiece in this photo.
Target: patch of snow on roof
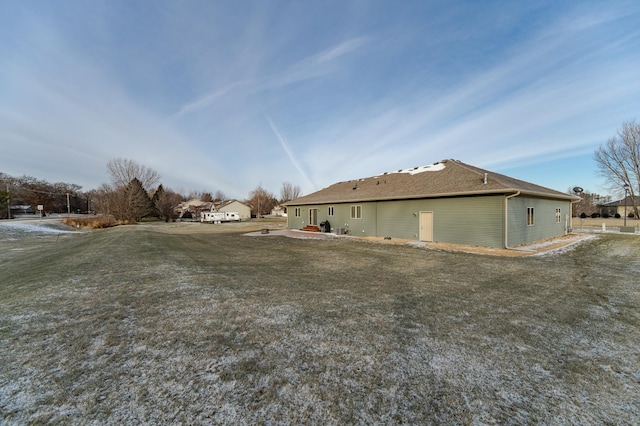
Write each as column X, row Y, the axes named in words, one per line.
column 415, row 170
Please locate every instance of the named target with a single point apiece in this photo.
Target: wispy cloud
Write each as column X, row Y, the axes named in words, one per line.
column 311, row 67
column 208, row 99
column 287, row 149
column 335, row 52
column 551, row 97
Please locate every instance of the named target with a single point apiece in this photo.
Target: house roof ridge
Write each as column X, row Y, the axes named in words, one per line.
column 513, row 183
column 481, row 172
column 447, row 177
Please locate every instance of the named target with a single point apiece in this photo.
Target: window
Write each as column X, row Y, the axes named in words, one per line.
column 356, row 212
column 331, row 211
column 298, row 212
column 530, row 218
column 558, row 215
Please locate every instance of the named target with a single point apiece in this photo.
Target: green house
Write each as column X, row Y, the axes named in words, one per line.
column 448, row 201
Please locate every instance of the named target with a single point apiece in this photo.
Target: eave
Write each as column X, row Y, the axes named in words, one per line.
column 505, row 191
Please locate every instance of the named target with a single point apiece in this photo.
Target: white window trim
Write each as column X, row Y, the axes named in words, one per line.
column 330, row 211
column 531, row 214
column 356, row 208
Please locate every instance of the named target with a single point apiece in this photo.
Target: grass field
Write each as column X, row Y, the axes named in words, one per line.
column 183, row 323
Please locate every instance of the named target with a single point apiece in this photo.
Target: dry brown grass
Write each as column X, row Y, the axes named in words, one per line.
column 185, row 323
column 91, row 222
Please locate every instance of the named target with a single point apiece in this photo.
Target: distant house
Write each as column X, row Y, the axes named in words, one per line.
column 448, row 201
column 235, row 206
column 192, row 208
column 619, row 207
column 279, row 211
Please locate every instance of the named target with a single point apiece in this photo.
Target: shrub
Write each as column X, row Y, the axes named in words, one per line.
column 595, row 215
column 94, row 222
column 583, row 215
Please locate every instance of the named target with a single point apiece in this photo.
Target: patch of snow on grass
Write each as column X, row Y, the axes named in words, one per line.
column 19, row 228
column 565, row 248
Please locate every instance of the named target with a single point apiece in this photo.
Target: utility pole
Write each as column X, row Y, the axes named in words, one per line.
column 626, row 191
column 68, row 206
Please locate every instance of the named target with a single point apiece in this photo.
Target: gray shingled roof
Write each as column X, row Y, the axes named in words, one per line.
column 442, row 179
column 628, row 201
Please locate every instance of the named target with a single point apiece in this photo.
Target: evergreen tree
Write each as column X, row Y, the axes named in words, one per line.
column 165, row 201
column 155, row 200
column 139, row 202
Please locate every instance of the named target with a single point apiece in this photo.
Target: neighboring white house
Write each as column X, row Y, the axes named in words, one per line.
column 280, row 211
column 235, row 206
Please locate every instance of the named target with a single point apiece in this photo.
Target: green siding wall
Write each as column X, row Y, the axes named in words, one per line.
column 366, row 226
column 396, row 218
column 475, row 220
column 470, row 220
column 462, row 220
column 544, row 226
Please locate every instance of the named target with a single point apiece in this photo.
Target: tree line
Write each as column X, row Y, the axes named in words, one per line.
column 134, row 193
column 26, row 193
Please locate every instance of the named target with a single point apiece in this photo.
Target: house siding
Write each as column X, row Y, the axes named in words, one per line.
column 544, row 226
column 365, row 226
column 236, row 206
column 470, row 220
column 461, row 220
column 458, row 220
column 396, row 218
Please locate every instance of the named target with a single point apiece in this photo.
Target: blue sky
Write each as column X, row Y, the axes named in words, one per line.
column 219, row 95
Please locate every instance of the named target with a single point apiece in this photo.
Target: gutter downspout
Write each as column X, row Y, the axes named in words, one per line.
column 568, row 231
column 506, row 219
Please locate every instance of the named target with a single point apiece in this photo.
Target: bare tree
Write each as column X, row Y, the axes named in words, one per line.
column 619, row 161
column 289, row 192
column 589, row 203
column 219, row 196
column 55, row 197
column 262, row 201
column 123, row 171
column 127, row 204
column 109, row 200
column 200, row 195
